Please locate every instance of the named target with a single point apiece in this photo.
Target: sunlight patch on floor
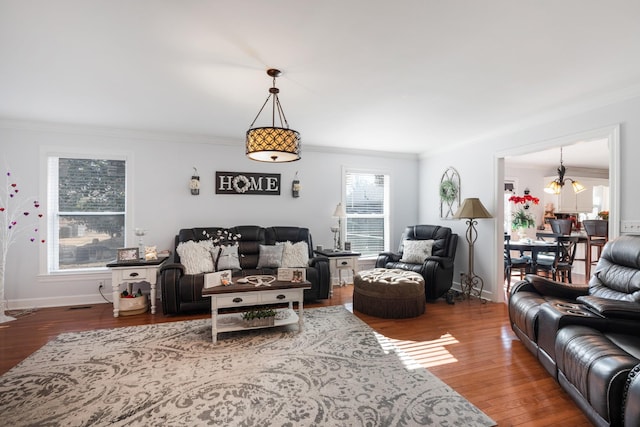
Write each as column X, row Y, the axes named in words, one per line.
column 417, row 354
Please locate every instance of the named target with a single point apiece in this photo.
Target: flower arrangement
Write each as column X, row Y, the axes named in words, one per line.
column 223, row 237
column 524, row 200
column 521, row 218
column 15, row 217
column 604, row 215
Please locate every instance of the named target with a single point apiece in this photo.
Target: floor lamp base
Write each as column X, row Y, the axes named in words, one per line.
column 472, row 285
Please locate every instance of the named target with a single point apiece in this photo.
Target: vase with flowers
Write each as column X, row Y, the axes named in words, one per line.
column 522, row 218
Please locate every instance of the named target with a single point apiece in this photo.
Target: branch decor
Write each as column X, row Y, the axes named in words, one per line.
column 17, row 216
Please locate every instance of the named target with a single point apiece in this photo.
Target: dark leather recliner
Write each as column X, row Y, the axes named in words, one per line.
column 437, row 270
column 588, row 336
column 182, row 292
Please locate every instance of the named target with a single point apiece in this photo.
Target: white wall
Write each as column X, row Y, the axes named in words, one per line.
column 479, row 173
column 162, row 204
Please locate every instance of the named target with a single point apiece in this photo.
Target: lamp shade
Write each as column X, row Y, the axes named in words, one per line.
column 554, row 187
column 577, row 187
column 273, row 143
column 339, row 212
column 472, row 208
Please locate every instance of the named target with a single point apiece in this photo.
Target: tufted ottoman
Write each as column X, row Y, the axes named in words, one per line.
column 389, row 293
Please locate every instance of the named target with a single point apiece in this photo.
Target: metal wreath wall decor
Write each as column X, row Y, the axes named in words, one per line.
column 449, row 191
column 247, row 183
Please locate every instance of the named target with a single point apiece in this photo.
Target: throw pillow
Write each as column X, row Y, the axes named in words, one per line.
column 196, row 256
column 270, row 256
column 416, row 251
column 228, row 258
column 295, row 254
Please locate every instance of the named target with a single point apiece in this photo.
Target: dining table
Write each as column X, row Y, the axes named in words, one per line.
column 534, row 247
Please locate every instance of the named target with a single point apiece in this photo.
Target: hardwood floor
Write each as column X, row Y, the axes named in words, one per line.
column 469, row 345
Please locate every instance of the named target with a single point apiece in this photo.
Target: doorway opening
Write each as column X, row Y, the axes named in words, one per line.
column 608, row 136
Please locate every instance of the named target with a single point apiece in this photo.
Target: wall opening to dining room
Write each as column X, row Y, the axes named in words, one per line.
column 608, row 135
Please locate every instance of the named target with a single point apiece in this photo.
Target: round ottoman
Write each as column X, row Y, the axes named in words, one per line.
column 389, row 293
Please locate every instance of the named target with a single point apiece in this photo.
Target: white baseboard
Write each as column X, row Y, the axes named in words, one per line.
column 22, row 304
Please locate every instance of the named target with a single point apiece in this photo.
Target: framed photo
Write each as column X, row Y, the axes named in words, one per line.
column 294, row 275
column 219, row 278
column 128, row 255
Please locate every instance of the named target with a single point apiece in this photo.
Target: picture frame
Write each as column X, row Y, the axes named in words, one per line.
column 294, row 275
column 218, row 278
column 128, row 255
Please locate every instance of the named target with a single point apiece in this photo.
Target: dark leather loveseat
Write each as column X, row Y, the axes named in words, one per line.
column 183, row 292
column 588, row 336
column 437, row 270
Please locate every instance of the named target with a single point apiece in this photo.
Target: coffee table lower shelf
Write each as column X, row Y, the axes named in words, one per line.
column 234, row 321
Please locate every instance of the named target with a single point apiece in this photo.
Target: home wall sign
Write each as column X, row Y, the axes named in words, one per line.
column 247, row 183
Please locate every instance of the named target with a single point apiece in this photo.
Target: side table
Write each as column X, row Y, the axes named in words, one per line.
column 130, row 272
column 340, row 261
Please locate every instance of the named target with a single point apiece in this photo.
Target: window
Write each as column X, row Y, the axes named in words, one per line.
column 87, row 202
column 367, row 223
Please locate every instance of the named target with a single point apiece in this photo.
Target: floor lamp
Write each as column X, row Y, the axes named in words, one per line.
column 471, row 209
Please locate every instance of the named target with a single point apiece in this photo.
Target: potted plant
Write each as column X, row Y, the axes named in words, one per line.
column 259, row 317
column 522, row 218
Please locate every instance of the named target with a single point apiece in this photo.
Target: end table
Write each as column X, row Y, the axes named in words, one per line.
column 340, row 261
column 130, row 272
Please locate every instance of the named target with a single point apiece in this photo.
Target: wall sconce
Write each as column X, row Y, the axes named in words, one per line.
column 194, row 184
column 295, row 186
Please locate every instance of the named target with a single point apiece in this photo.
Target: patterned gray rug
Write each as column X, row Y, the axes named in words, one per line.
column 338, row 372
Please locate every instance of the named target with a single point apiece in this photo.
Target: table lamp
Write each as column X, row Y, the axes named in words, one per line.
column 471, row 209
column 338, row 213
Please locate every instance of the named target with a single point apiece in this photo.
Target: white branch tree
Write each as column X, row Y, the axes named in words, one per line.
column 19, row 215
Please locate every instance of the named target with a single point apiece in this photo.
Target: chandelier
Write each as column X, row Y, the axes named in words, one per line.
column 273, row 143
column 555, row 186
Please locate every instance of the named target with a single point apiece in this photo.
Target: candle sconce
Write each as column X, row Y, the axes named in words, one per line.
column 295, row 186
column 194, row 184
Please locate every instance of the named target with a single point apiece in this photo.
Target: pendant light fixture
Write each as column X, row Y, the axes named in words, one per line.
column 555, row 186
column 272, row 143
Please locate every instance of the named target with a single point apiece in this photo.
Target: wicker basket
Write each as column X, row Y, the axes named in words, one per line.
column 131, row 306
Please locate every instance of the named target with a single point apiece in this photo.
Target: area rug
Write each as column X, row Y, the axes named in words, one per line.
column 337, row 372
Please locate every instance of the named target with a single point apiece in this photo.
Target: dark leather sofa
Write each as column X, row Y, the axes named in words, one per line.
column 588, row 336
column 183, row 292
column 437, row 270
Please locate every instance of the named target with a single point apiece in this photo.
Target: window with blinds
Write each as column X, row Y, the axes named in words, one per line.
column 87, row 206
column 366, row 206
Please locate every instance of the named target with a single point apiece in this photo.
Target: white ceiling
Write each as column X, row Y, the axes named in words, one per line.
column 581, row 154
column 408, row 76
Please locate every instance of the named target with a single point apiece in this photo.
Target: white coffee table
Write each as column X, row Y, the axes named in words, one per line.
column 246, row 295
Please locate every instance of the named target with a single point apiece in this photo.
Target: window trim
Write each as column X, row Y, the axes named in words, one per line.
column 386, row 204
column 81, row 153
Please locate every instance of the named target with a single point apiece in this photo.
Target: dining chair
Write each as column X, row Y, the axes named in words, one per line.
column 561, row 226
column 597, row 231
column 561, row 263
column 522, row 263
